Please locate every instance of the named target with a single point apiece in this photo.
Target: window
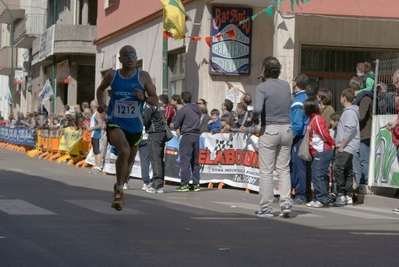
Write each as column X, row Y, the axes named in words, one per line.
column 108, row 3
column 177, row 71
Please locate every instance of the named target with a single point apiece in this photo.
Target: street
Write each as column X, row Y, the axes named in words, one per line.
column 57, row 215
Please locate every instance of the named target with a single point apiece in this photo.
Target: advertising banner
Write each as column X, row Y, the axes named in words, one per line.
column 17, row 135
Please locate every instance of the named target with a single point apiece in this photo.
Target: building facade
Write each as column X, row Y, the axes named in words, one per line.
column 51, row 40
column 325, row 40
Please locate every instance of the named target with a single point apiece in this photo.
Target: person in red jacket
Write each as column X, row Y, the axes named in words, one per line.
column 321, row 148
column 168, row 110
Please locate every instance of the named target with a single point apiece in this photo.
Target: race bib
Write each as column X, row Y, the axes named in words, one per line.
column 126, row 109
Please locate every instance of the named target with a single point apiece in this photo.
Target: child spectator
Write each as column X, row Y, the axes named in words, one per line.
column 334, row 122
column 364, row 70
column 214, row 125
column 2, row 123
column 347, row 143
column 320, row 146
column 227, row 123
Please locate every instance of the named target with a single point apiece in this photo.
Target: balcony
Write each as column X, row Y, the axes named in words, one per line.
column 64, row 39
column 27, row 30
column 5, row 60
column 14, row 7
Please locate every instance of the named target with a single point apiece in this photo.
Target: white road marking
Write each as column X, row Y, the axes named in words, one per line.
column 20, row 207
column 374, row 233
column 102, row 207
column 223, row 218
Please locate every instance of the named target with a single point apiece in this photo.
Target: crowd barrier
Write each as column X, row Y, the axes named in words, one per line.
column 230, row 159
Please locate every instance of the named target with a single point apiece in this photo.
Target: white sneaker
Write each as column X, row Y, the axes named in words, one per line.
column 125, row 186
column 310, row 203
column 348, row 201
column 152, row 190
column 145, row 187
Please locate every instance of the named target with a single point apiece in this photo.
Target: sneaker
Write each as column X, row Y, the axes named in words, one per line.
column 125, row 186
column 265, row 213
column 195, row 187
column 298, row 201
column 183, row 188
column 318, row 204
column 96, row 170
column 152, row 190
column 396, row 211
column 310, row 203
column 119, row 200
column 348, row 201
column 145, row 186
column 285, row 210
column 339, row 201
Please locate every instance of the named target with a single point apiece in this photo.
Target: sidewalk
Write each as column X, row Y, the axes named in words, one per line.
column 379, row 197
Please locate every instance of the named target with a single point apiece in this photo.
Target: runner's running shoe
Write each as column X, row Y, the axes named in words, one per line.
column 119, row 200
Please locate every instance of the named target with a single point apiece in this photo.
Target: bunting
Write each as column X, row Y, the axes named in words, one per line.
column 231, row 33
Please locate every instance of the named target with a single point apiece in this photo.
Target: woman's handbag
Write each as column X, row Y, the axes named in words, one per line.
column 303, row 151
column 168, row 131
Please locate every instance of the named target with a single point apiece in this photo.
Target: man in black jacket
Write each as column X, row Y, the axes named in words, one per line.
column 155, row 127
column 187, row 124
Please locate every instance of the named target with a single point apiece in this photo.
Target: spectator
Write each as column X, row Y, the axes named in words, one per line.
column 226, row 123
column 385, row 100
column 168, row 110
column 202, row 103
column 95, row 127
column 361, row 157
column 144, row 162
column 214, row 124
column 85, row 105
column 87, row 114
column 273, row 98
column 77, row 109
column 2, row 123
column 242, row 114
column 155, row 127
column 321, row 148
column 365, row 71
column 20, row 118
column 66, row 109
column 205, row 118
column 347, row 143
column 227, row 107
column 334, row 118
column 247, row 99
column 298, row 167
column 395, row 136
column 176, row 104
column 187, row 124
column 324, row 98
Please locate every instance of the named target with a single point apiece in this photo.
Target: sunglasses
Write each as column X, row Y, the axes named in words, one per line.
column 199, row 103
column 129, row 54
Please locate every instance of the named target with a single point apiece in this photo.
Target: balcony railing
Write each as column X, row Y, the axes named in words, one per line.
column 29, row 28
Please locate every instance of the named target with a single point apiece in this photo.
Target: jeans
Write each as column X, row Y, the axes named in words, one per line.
column 320, row 166
column 144, row 161
column 343, row 172
column 361, row 162
column 298, row 170
column 156, row 149
column 274, row 149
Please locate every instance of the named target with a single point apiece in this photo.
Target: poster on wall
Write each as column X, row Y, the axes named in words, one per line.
column 231, row 41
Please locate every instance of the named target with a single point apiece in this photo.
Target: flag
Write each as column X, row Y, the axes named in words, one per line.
column 174, row 16
column 47, row 92
column 9, row 98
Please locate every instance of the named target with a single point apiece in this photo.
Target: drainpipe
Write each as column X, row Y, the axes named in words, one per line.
column 53, row 104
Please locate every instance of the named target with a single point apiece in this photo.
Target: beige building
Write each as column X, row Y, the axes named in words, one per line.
column 52, row 40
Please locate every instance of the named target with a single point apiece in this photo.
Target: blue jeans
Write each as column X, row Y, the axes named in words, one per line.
column 320, row 166
column 298, row 170
column 361, row 162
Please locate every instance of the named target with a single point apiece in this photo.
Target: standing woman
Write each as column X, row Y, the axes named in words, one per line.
column 324, row 98
column 321, row 147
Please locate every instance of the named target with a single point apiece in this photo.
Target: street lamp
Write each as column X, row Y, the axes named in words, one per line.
column 11, row 82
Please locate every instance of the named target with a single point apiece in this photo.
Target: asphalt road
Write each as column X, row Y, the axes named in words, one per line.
column 57, row 215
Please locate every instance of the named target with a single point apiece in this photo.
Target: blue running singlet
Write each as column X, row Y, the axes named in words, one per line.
column 125, row 109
